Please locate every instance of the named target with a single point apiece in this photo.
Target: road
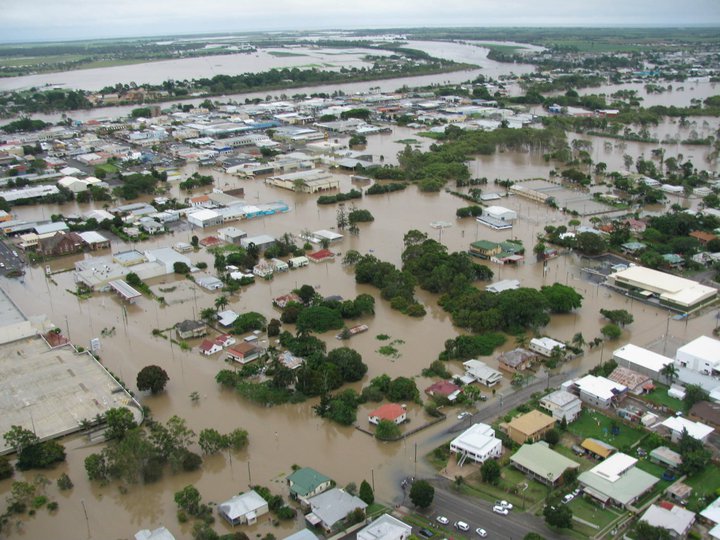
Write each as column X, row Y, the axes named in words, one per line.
column 478, row 513
column 10, row 263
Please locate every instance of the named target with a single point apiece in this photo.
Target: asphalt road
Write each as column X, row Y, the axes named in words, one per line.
column 478, row 513
column 8, row 262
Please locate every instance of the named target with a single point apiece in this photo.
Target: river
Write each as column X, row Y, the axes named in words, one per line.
column 286, row 435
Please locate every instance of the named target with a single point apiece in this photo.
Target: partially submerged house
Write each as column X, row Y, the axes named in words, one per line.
column 478, row 371
column 243, row 509
column 329, row 509
column 306, row 482
column 390, row 411
column 189, row 329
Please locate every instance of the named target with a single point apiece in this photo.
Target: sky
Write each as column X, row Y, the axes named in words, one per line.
column 47, row 20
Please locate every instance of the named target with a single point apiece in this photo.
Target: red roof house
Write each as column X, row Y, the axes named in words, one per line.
column 445, row 389
column 322, row 255
column 390, row 411
column 208, row 348
column 243, row 352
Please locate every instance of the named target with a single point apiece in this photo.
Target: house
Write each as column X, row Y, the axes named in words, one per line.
column 516, row 360
column 707, row 412
column 330, row 508
column 227, row 318
column 208, row 348
column 701, row 355
column 160, row 533
column 545, row 346
column 540, row 462
column 444, row 389
column 285, row 299
column 702, row 236
column 263, row 269
column 662, row 455
column 298, row 262
column 530, row 426
column 243, row 352
column 500, row 213
column 476, row 370
column 211, row 283
column 385, row 527
column 679, row 492
column 616, row 481
column 711, row 514
column 562, row 404
column 94, row 240
column 321, row 256
column 232, row 235
column 243, row 509
column 225, row 340
column 189, row 329
column 289, row 360
column 636, row 383
column 504, row 285
column 599, row 391
column 279, row 266
column 390, row 411
column 303, row 534
column 307, row 482
column 641, row 361
column 478, row 443
column 598, row 449
column 675, row 519
column 676, row 425
column 485, row 249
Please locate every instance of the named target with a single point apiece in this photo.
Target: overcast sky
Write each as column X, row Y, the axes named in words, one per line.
column 43, row 20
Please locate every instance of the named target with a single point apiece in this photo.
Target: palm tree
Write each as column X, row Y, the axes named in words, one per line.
column 670, row 372
column 221, row 302
column 578, row 340
column 521, row 341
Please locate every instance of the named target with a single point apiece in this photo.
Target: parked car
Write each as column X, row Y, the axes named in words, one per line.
column 482, row 397
column 577, row 492
column 482, row 533
column 442, row 520
column 501, row 510
column 504, row 504
column 461, row 526
column 463, row 415
column 426, row 533
column 567, row 498
column 641, row 452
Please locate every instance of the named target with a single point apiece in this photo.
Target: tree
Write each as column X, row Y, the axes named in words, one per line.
column 402, row 389
column 670, row 372
column 490, row 472
column 221, row 302
column 693, row 394
column 188, row 499
column 153, row 378
column 387, row 430
column 366, row 493
column 422, row 493
column 6, row 469
column 350, row 363
column 590, row 243
column 645, row 531
column 617, row 316
column 561, row 298
column 119, row 421
column 552, row 437
column 558, row 516
column 211, row 441
column 19, row 438
column 611, row 331
column 318, row 319
column 180, row 267
column 306, row 293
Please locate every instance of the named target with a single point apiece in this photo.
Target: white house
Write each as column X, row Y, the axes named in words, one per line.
column 385, row 527
column 599, row 391
column 245, row 508
column 677, row 424
column 500, row 213
column 475, row 370
column 675, row 519
column 477, row 443
column 160, row 533
column 298, row 262
column 562, row 404
column 545, row 346
column 330, row 508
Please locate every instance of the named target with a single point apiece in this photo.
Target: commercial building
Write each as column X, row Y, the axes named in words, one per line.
column 477, row 443
column 641, row 360
column 504, row 285
column 500, row 213
column 243, row 509
column 205, row 218
column 562, row 404
column 530, row 426
column 701, row 354
column 671, row 291
column 542, row 463
column 385, row 527
column 616, row 481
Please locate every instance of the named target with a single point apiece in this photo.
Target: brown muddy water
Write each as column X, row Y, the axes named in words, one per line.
column 286, row 435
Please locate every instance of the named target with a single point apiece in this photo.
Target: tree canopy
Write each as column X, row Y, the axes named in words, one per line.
column 153, row 378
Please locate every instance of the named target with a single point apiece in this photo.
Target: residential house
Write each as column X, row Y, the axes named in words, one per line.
column 303, row 534
column 540, row 462
column 161, row 533
column 94, row 240
column 675, row 519
column 307, row 482
column 385, row 527
column 662, row 455
column 330, row 508
column 702, row 236
column 516, row 360
column 243, row 352
column 189, row 329
column 285, row 299
column 530, row 426
column 676, row 425
column 225, row 340
column 485, row 249
column 636, row 383
column 243, row 509
column 616, row 481
column 598, row 449
column 208, row 347
column 599, row 391
column 679, row 492
column 545, row 346
column 390, row 411
column 478, row 443
column 444, row 389
column 562, row 404
column 211, row 283
column 321, row 256
column 476, row 370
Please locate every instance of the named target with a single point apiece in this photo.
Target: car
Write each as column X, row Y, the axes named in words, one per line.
column 442, row 520
column 567, row 498
column 482, row 533
column 426, row 533
column 463, row 415
column 501, row 510
column 482, row 397
column 461, row 526
column 504, row 504
column 577, row 492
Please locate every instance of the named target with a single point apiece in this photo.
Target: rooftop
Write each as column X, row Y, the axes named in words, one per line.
column 674, row 518
column 531, row 422
column 306, row 480
column 671, row 288
column 560, row 398
column 389, row 411
column 477, row 438
column 614, row 467
column 623, row 489
column 243, row 504
column 641, row 357
column 696, row 430
column 542, row 461
column 334, row 505
column 702, row 347
column 600, row 386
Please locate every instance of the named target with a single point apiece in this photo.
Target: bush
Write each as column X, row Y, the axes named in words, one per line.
column 6, row 469
column 387, row 430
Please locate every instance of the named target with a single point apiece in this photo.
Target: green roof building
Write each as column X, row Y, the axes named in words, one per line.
column 307, row 482
column 540, row 462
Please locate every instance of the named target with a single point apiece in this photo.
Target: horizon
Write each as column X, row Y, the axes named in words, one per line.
column 48, row 21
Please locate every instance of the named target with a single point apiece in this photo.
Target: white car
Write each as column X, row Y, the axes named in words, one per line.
column 463, row 415
column 482, row 533
column 442, row 520
column 501, row 510
column 461, row 526
column 567, row 498
column 505, row 504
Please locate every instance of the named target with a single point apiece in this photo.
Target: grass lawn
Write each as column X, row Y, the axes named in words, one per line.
column 596, row 425
column 439, row 457
column 585, row 463
column 109, row 168
column 704, row 486
column 509, row 488
column 589, row 511
column 659, row 396
column 375, row 509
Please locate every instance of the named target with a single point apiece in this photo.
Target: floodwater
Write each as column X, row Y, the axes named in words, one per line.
column 286, row 435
